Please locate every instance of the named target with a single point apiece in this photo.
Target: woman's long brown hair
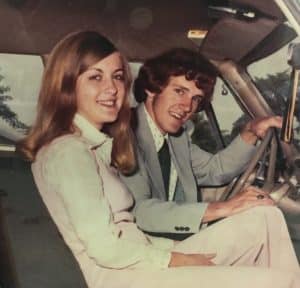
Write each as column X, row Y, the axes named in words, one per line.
column 57, row 101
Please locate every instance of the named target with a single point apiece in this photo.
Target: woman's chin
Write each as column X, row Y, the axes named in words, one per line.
column 111, row 119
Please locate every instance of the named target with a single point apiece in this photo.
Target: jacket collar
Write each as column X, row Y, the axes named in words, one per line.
column 95, row 138
column 158, row 137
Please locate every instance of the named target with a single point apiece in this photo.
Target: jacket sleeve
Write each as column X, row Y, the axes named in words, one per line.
column 222, row 167
column 154, row 214
column 72, row 173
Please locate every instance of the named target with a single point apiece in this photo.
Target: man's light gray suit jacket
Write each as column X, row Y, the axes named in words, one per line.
column 195, row 167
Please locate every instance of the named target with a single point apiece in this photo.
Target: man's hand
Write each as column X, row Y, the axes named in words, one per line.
column 257, row 128
column 180, row 259
column 246, row 199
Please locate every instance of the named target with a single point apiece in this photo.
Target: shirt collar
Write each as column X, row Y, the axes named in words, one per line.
column 158, row 137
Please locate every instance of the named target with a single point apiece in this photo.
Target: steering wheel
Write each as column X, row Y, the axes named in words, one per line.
column 237, row 184
column 284, row 194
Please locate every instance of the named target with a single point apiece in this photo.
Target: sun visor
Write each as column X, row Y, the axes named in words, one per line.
column 242, row 35
column 280, row 37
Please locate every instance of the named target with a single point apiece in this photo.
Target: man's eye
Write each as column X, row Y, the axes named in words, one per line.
column 197, row 98
column 179, row 91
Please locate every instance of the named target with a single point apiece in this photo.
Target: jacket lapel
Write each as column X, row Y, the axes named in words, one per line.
column 146, row 146
column 180, row 154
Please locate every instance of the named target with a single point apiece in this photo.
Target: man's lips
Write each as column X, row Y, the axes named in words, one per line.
column 177, row 115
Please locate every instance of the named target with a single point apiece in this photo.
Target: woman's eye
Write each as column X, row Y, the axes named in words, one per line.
column 96, row 77
column 119, row 77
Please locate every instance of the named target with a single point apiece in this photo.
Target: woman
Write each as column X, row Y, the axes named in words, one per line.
column 80, row 138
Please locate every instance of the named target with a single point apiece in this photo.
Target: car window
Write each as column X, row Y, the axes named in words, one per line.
column 229, row 116
column 20, row 78
column 134, row 68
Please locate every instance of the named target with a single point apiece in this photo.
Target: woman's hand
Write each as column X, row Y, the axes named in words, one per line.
column 180, row 259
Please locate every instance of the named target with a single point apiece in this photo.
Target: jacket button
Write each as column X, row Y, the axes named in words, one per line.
column 187, row 229
column 177, row 228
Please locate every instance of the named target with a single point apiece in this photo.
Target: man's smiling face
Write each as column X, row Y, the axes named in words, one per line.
column 175, row 104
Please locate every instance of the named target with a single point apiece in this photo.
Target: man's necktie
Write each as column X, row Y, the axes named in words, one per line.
column 165, row 164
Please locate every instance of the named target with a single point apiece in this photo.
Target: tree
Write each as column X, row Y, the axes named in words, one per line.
column 203, row 136
column 275, row 90
column 5, row 112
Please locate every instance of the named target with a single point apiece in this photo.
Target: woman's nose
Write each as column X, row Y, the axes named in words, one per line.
column 110, row 87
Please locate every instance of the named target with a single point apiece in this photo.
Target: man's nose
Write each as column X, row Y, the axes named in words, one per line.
column 187, row 104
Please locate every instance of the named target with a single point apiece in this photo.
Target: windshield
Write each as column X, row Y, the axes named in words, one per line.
column 272, row 77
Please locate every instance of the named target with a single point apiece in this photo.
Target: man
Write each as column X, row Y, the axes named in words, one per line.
column 170, row 88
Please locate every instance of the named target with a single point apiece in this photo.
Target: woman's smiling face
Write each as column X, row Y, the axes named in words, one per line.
column 100, row 90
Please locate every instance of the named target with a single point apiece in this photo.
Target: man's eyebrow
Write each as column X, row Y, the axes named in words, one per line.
column 181, row 87
column 201, row 94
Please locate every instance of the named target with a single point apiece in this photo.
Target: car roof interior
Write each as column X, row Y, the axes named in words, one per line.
column 144, row 28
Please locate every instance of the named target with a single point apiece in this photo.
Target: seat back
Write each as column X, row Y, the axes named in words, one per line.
column 34, row 253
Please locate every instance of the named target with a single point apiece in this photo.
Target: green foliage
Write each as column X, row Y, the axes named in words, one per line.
column 276, row 91
column 202, row 135
column 238, row 125
column 5, row 112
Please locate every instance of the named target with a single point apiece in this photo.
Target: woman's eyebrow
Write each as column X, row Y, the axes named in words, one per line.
column 96, row 69
column 101, row 71
column 119, row 70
